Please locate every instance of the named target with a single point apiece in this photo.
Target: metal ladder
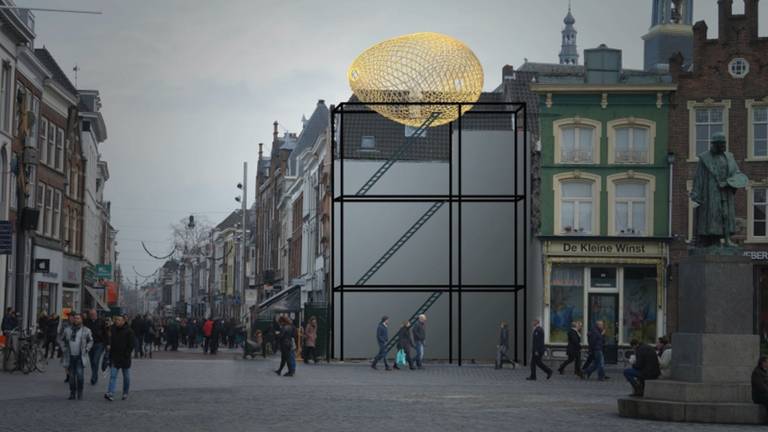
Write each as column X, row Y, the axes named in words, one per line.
column 423, row 308
column 399, row 152
column 400, row 243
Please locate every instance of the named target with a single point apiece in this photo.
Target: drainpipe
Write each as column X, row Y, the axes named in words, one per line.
column 671, row 163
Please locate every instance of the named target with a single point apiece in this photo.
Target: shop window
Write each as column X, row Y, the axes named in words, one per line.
column 602, row 277
column 46, row 298
column 706, row 119
column 566, row 301
column 640, row 304
column 577, row 141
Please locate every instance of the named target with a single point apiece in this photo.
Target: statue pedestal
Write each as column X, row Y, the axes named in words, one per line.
column 714, row 352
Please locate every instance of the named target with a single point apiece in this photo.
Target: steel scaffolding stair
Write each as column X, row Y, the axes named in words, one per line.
column 399, row 152
column 400, row 243
column 422, row 309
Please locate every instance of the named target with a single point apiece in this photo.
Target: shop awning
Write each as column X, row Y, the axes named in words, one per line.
column 97, row 298
column 288, row 300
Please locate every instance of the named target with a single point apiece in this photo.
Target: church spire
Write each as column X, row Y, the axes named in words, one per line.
column 569, row 54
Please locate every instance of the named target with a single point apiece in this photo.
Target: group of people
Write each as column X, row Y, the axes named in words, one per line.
column 646, row 361
column 407, row 338
column 90, row 342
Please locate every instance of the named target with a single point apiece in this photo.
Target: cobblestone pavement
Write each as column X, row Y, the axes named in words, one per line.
column 189, row 392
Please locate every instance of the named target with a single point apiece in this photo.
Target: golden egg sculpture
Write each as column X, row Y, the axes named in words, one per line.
column 421, row 68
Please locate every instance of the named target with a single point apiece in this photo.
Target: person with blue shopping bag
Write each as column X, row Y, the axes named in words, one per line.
column 404, row 344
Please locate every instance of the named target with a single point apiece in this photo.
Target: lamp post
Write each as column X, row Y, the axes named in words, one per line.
column 243, row 200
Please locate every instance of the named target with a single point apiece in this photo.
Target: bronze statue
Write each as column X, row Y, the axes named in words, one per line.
column 714, row 187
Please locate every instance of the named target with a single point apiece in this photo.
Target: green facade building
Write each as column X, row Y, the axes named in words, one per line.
column 604, row 197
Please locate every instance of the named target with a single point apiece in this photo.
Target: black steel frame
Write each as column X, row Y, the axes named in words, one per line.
column 519, row 110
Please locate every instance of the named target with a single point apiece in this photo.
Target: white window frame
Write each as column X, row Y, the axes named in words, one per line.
column 733, row 62
column 725, row 104
column 597, row 137
column 751, row 237
column 557, row 181
column 43, row 142
column 631, row 122
column 59, row 159
column 650, row 191
column 48, row 227
column 51, row 150
column 40, row 205
column 750, row 105
column 56, row 222
column 5, row 90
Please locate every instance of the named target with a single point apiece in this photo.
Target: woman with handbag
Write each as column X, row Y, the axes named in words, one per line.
column 404, row 344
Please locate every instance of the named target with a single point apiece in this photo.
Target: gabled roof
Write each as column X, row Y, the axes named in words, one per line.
column 230, row 221
column 314, row 127
column 59, row 76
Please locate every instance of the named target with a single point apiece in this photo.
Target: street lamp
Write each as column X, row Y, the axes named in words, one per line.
column 243, row 274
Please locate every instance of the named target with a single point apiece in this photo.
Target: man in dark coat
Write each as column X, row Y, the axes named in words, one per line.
column 538, row 352
column 760, row 382
column 573, row 350
column 98, row 328
column 382, row 336
column 596, row 339
column 137, row 325
column 121, row 344
column 419, row 337
column 646, row 367
column 503, row 347
column 10, row 321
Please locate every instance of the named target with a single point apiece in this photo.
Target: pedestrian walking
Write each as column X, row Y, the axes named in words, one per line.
column 184, row 331
column 646, row 367
column 537, row 353
column 76, row 345
column 172, row 335
column 573, row 350
column 310, row 341
column 760, row 382
column 596, row 339
column 405, row 342
column 137, row 325
column 419, row 338
column 192, row 330
column 503, row 346
column 150, row 333
column 98, row 328
column 51, row 332
column 287, row 347
column 207, row 331
column 216, row 331
column 382, row 336
column 121, row 341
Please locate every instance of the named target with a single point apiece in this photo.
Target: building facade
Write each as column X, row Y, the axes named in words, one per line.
column 725, row 91
column 604, row 197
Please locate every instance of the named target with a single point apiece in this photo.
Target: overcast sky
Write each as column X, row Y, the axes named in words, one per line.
column 190, row 87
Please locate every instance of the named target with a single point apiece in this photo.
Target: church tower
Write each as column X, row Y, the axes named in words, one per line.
column 569, row 54
column 671, row 32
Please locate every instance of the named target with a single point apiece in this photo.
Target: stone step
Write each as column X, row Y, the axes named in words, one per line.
column 681, row 391
column 695, row 412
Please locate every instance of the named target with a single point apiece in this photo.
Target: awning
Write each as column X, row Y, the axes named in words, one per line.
column 98, row 299
column 288, row 300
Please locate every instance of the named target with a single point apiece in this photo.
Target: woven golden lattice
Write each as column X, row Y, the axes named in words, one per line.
column 419, row 67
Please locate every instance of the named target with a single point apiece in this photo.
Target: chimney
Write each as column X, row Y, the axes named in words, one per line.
column 260, row 150
column 700, row 32
column 274, row 131
column 751, row 9
column 725, row 11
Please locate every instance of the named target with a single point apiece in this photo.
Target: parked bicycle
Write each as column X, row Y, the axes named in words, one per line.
column 24, row 352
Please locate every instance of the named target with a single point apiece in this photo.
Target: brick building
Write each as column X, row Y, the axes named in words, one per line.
column 726, row 90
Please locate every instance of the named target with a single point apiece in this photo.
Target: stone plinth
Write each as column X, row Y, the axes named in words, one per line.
column 713, row 354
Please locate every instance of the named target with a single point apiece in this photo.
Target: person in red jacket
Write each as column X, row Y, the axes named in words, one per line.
column 207, row 332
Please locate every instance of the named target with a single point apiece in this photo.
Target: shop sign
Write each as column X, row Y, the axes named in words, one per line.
column 104, row 271
column 757, row 255
column 89, row 276
column 619, row 248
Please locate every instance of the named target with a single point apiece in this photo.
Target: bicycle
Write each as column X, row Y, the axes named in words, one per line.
column 28, row 356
